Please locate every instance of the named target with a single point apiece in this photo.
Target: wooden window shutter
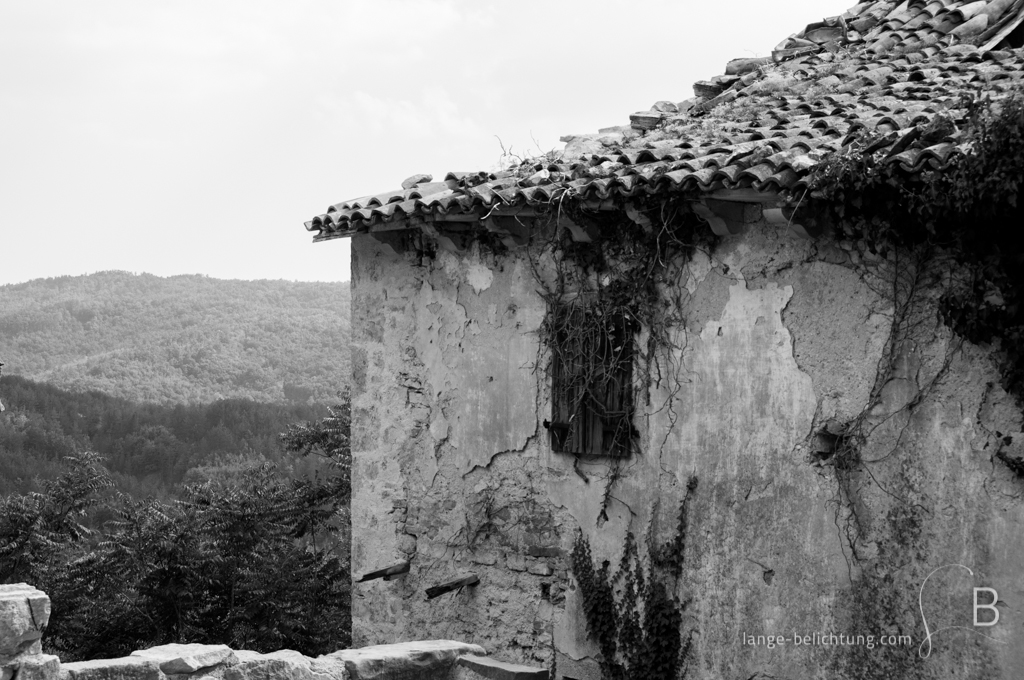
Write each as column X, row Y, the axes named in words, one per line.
column 592, row 384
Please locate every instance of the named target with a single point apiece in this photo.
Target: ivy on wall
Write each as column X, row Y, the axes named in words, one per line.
column 635, row 614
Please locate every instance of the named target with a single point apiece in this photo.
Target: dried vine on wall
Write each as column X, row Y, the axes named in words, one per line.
column 950, row 249
column 610, row 280
column 965, row 217
column 908, row 281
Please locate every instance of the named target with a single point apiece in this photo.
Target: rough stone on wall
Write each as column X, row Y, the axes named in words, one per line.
column 24, row 613
column 386, row 407
column 421, row 660
column 285, row 665
column 124, row 668
column 42, row 667
column 188, row 658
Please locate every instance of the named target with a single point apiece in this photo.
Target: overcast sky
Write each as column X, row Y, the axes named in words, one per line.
column 197, row 136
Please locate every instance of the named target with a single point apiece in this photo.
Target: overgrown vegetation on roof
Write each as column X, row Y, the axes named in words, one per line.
column 971, row 210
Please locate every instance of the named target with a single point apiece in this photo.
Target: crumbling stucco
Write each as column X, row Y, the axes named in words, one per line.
column 783, row 339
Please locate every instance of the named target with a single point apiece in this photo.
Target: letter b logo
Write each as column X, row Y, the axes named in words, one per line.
column 991, row 605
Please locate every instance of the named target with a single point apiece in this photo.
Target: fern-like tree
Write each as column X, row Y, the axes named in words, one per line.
column 256, row 561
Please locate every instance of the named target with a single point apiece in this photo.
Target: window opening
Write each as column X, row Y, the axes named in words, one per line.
column 592, row 381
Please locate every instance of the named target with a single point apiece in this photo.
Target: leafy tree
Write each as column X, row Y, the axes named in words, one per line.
column 36, row 529
column 253, row 560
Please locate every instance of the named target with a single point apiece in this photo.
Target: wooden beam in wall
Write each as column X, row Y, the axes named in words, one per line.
column 510, row 230
column 727, row 217
column 460, row 217
column 387, row 573
column 397, row 225
column 438, row 591
column 451, row 243
column 606, row 204
column 746, row 196
column 505, row 210
column 805, row 223
column 579, row 232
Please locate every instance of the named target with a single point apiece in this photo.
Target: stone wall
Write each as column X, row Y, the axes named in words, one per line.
column 25, row 611
column 786, row 341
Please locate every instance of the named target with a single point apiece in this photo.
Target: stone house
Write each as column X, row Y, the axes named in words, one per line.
column 664, row 347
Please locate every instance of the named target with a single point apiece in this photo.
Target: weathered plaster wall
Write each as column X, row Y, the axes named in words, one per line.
column 784, row 339
column 447, row 470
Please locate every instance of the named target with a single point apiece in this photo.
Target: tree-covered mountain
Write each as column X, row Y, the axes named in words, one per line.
column 181, row 339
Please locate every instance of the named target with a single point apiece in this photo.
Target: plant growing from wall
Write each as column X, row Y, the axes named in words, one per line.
column 635, row 614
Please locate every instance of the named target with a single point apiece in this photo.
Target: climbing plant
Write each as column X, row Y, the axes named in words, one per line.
column 963, row 219
column 611, row 281
column 970, row 211
column 634, row 614
column 948, row 250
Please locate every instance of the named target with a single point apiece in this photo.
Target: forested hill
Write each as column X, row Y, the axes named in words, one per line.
column 182, row 339
column 149, row 448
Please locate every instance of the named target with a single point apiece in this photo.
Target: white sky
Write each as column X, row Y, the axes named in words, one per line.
column 197, row 136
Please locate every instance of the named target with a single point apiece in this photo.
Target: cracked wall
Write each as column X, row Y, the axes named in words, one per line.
column 446, row 464
column 783, row 338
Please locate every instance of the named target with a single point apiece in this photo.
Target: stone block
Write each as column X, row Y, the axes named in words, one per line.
column 407, row 544
column 24, row 613
column 188, row 658
column 41, row 667
column 516, row 562
column 524, row 640
column 486, row 667
column 125, row 668
column 285, row 664
column 541, row 569
column 423, row 660
column 484, row 558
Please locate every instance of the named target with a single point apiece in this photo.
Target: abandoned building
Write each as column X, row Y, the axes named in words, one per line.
column 706, row 387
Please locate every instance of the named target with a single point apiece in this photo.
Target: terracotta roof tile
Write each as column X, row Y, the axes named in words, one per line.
column 884, row 67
